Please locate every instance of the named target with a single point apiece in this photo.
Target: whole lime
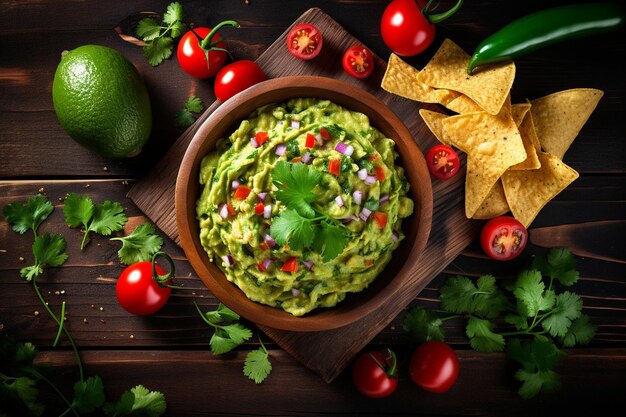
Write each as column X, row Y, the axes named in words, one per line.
column 102, row 102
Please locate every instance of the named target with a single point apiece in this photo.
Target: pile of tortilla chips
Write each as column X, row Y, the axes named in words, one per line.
column 514, row 151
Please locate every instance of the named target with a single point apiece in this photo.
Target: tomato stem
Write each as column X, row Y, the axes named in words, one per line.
column 440, row 17
column 206, row 42
column 391, row 370
column 163, row 279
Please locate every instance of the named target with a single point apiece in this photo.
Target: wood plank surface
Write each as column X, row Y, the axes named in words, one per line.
column 330, row 352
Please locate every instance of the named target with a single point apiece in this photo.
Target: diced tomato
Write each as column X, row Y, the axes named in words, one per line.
column 334, row 166
column 231, row 210
column 261, row 266
column 369, row 262
column 310, row 141
column 296, row 160
column 374, row 156
column 258, row 209
column 264, row 246
column 290, row 265
column 261, row 137
column 380, row 217
column 325, row 134
column 380, row 173
column 242, row 192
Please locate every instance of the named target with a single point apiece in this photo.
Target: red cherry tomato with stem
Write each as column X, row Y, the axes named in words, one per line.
column 434, row 366
column 143, row 288
column 503, row 238
column 375, row 373
column 358, row 61
column 236, row 77
column 201, row 52
column 408, row 30
column 443, row 161
column 304, row 41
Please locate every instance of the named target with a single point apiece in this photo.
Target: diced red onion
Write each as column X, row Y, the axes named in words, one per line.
column 228, row 260
column 319, row 139
column 306, row 158
column 295, row 292
column 370, row 180
column 308, row 264
column 254, row 143
column 339, row 201
column 295, row 124
column 362, row 173
column 365, row 214
column 223, row 211
column 349, row 150
column 262, row 196
column 267, row 211
column 234, row 184
column 281, row 149
column 394, row 236
column 384, row 199
column 357, row 195
column 341, row 147
column 269, row 240
column 266, row 263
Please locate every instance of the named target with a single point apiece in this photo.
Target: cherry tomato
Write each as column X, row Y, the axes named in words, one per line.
column 193, row 59
column 138, row 292
column 434, row 366
column 443, row 161
column 236, row 77
column 374, row 373
column 358, row 61
column 304, row 41
column 503, row 238
column 408, row 30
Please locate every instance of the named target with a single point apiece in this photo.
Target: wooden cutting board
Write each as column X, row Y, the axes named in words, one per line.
column 328, row 353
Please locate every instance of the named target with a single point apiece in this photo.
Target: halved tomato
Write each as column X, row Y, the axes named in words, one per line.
column 304, row 41
column 503, row 238
column 443, row 161
column 358, row 61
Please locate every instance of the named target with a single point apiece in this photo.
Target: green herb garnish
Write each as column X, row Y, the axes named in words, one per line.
column 257, row 365
column 140, row 245
column 186, row 117
column 160, row 36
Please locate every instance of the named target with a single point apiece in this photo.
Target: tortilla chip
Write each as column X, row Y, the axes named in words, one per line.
column 462, row 104
column 559, row 117
column 495, row 204
column 521, row 115
column 492, row 143
column 487, row 88
column 401, row 79
column 433, row 121
column 527, row 192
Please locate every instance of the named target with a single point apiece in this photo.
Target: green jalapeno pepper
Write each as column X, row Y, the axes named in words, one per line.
column 545, row 28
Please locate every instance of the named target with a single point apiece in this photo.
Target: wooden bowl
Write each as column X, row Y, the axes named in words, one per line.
column 416, row 227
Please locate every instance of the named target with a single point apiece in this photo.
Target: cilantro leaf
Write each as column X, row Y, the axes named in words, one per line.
column 28, row 216
column 221, row 314
column 568, row 307
column 19, row 396
column 529, row 292
column 185, row 117
column 158, row 50
column 257, row 365
column 330, row 240
column 227, row 335
column 148, row 29
column 520, row 322
column 238, row 333
column 78, row 210
column 295, row 183
column 535, row 382
column 49, row 250
column 560, row 264
column 220, row 343
column 461, row 295
column 482, row 338
column 290, row 228
column 88, row 395
column 108, row 217
column 138, row 401
column 456, row 295
column 174, row 13
column 423, row 325
column 140, row 245
column 538, row 359
column 580, row 332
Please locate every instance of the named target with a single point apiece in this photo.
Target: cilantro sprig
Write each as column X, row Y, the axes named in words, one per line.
column 531, row 318
column 257, row 365
column 140, row 245
column 160, row 36
column 104, row 218
column 28, row 216
column 300, row 225
column 186, row 117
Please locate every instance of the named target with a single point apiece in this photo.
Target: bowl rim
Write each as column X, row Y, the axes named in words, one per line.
column 224, row 118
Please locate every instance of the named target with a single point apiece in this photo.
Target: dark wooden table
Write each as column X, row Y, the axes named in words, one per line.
column 169, row 351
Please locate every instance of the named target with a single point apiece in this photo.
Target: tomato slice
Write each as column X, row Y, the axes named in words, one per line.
column 443, row 162
column 503, row 238
column 242, row 192
column 290, row 265
column 304, row 41
column 358, row 61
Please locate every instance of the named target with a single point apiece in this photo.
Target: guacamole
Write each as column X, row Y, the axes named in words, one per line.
column 328, row 229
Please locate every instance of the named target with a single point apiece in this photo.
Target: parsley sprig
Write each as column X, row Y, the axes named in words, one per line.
column 531, row 322
column 160, row 36
column 301, row 225
column 104, row 218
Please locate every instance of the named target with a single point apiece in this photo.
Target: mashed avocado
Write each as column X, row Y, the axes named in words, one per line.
column 358, row 197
